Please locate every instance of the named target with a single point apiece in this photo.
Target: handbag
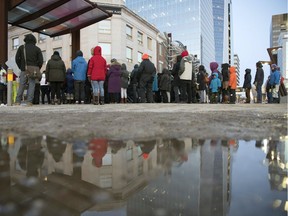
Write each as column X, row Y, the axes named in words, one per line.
column 32, row 72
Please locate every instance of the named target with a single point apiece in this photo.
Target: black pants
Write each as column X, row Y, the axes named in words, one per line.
column 36, row 93
column 45, row 91
column 56, row 90
column 79, row 90
column 3, row 93
column 185, row 91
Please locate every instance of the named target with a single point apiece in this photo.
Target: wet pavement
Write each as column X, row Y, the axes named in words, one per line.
column 44, row 175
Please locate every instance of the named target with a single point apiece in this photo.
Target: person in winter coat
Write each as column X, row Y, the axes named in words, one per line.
column 176, row 79
column 124, row 82
column 56, row 74
column 214, row 69
column 202, row 84
column 98, row 148
column 97, row 70
column 33, row 57
column 258, row 81
column 45, row 89
column 79, row 70
column 225, row 83
column 3, row 86
column 232, row 85
column 186, row 75
column 69, row 86
column 247, row 84
column 275, row 77
column 146, row 73
column 134, row 83
column 215, row 85
column 114, row 81
column 165, row 85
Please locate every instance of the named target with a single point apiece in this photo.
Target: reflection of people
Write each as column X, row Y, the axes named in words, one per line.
column 116, row 145
column 98, row 146
column 33, row 57
column 56, row 148
column 146, row 147
column 31, row 156
column 179, row 147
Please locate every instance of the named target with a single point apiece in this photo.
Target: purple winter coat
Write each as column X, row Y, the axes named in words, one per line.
column 114, row 80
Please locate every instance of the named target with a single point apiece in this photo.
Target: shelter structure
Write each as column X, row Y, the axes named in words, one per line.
column 49, row 17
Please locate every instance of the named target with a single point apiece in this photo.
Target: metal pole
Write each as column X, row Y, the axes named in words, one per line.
column 9, row 86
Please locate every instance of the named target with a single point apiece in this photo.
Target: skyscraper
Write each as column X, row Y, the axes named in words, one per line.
column 222, row 15
column 191, row 22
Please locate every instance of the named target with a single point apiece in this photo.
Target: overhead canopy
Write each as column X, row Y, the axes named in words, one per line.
column 55, row 17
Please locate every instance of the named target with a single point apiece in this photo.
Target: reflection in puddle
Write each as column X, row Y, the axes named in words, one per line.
column 47, row 176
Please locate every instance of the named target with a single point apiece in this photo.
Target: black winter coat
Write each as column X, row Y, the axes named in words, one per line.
column 247, row 80
column 34, row 55
column 55, row 69
column 146, row 69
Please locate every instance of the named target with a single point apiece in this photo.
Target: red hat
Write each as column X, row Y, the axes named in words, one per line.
column 145, row 155
column 184, row 53
column 145, row 56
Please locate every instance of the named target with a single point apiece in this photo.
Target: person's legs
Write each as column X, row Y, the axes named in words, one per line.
column 22, row 83
column 31, row 89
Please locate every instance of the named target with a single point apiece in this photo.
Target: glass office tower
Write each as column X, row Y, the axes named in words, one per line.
column 189, row 21
column 223, row 30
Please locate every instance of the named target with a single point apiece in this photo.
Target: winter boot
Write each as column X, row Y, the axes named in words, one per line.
column 101, row 100
column 125, row 100
column 96, row 100
column 52, row 102
column 122, row 100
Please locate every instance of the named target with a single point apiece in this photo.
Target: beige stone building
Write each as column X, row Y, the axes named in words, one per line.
column 125, row 36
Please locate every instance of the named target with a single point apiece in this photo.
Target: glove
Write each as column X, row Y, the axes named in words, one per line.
column 273, row 86
column 89, row 79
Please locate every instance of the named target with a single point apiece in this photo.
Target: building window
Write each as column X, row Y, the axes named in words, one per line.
column 139, row 57
column 149, row 43
column 129, row 52
column 105, row 26
column 106, row 49
column 15, row 43
column 56, row 38
column 129, row 32
column 140, row 38
column 44, row 56
column 58, row 50
column 42, row 38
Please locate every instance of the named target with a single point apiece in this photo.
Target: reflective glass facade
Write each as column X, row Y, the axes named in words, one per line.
column 189, row 21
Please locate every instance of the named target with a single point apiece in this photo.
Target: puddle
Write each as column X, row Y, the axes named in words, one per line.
column 47, row 176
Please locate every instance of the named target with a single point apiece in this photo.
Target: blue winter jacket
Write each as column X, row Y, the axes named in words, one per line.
column 275, row 78
column 215, row 83
column 79, row 68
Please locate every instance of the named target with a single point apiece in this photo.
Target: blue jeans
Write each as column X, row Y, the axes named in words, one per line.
column 259, row 93
column 22, row 84
column 97, row 87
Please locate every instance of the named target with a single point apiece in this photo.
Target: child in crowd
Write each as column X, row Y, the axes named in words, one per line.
column 214, row 86
column 45, row 89
column 165, row 85
column 69, row 86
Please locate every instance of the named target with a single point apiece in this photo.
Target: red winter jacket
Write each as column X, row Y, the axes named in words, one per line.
column 97, row 67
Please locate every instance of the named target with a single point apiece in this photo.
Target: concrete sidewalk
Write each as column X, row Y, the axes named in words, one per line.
column 125, row 121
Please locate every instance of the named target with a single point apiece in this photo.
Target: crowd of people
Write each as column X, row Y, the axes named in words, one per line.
column 99, row 82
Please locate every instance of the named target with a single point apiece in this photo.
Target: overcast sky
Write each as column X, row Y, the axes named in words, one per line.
column 251, row 26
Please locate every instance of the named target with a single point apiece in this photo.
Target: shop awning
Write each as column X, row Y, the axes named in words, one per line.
column 55, row 17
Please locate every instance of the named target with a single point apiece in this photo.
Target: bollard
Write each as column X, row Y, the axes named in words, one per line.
column 9, row 86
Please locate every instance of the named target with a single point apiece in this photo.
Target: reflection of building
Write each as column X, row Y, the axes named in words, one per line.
column 183, row 176
column 277, row 167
